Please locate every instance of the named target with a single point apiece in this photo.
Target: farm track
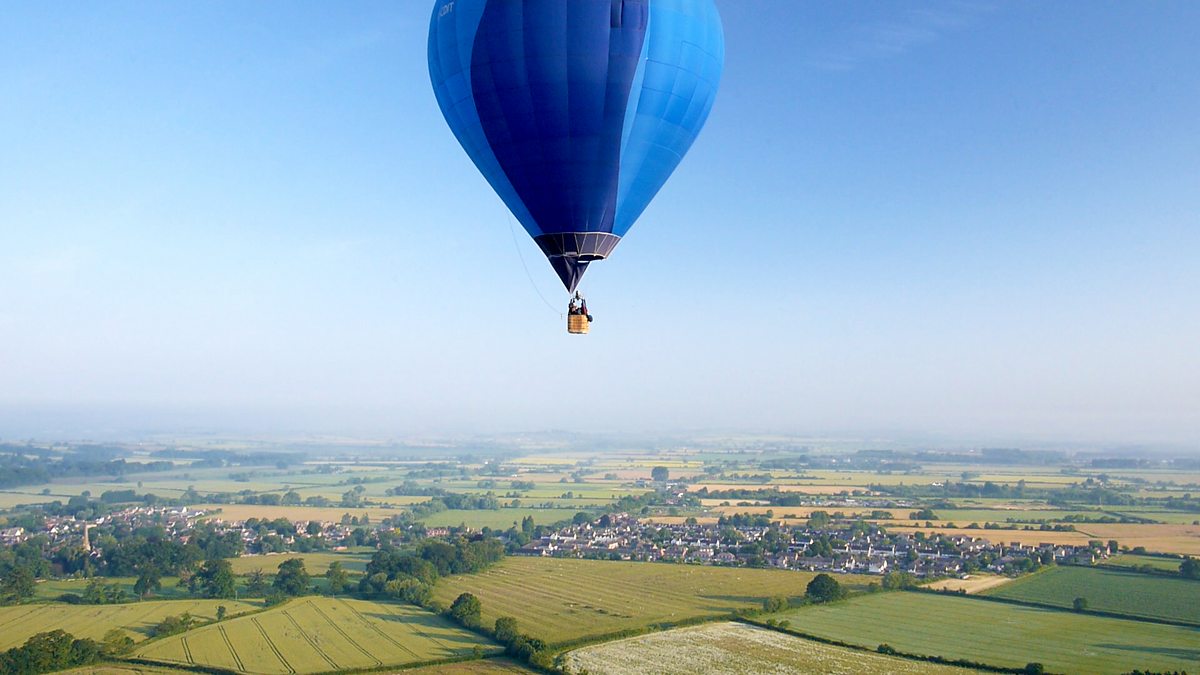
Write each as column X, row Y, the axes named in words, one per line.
column 20, row 617
column 384, row 635
column 267, row 639
column 313, row 643
column 187, row 650
column 345, row 635
column 232, row 652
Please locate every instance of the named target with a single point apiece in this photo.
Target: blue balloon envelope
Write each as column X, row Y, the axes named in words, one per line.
column 576, row 111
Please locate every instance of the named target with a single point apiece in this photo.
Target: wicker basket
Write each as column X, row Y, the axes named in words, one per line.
column 577, row 324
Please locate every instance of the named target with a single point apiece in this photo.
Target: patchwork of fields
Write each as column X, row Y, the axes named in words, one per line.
column 1109, row 591
column 560, row 600
column 312, row 635
column 21, row 622
column 738, row 648
column 1001, row 634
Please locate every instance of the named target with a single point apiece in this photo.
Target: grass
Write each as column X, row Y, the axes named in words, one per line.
column 19, row 623
column 315, row 563
column 1131, row 560
column 561, row 600
column 51, row 589
column 1109, row 590
column 738, row 648
column 1000, row 634
column 316, row 634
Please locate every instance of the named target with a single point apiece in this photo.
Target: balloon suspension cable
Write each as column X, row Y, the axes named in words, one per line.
column 517, row 245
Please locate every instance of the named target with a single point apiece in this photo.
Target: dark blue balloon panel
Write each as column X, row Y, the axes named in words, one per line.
column 576, row 111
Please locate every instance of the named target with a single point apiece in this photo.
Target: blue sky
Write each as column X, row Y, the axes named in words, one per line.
column 951, row 220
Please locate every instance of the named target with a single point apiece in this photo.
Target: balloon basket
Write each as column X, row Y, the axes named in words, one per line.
column 577, row 324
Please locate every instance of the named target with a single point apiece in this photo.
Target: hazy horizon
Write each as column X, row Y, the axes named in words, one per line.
column 943, row 220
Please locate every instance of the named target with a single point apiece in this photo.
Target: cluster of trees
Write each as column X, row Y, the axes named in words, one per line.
column 18, row 468
column 1189, row 568
column 409, row 574
column 467, row 611
column 51, row 651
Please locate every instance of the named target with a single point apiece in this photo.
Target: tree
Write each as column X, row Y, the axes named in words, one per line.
column 775, row 604
column 467, row 610
column 818, row 520
column 824, row 588
column 1034, row 668
column 1080, row 604
column 215, row 579
column 660, row 474
column 337, row 578
column 506, row 630
column 115, row 642
column 256, row 583
column 16, row 586
column 292, row 578
column 148, row 581
column 1190, row 568
column 221, row 611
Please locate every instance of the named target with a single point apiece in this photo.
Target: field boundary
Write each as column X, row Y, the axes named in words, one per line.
column 941, row 660
column 1182, row 623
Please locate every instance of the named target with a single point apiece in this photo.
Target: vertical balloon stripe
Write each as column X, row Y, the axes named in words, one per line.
column 551, row 81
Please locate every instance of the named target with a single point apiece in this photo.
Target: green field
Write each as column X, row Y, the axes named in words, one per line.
column 18, row 623
column 1001, row 634
column 565, row 599
column 1157, row 562
column 738, row 648
column 51, row 589
column 1108, row 591
column 312, row 635
column 315, row 563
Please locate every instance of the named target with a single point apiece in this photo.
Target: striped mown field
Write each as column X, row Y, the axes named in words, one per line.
column 1001, row 634
column 19, row 623
column 559, row 599
column 318, row 634
column 1109, row 590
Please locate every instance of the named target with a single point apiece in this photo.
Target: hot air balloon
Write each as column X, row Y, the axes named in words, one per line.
column 576, row 111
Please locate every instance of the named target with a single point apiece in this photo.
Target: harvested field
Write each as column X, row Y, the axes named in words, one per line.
column 976, row 583
column 1184, row 539
column 737, row 648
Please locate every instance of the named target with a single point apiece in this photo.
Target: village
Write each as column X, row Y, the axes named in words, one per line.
column 836, row 547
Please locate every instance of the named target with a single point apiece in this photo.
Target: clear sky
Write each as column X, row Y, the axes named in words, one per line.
column 960, row 219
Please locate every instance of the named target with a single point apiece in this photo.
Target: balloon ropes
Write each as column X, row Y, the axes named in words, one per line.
column 576, row 111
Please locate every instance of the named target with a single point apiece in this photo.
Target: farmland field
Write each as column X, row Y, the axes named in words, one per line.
column 976, row 583
column 1001, row 634
column 738, row 648
column 19, row 623
column 319, row 634
column 1183, row 539
column 565, row 599
column 1109, row 591
column 1131, row 560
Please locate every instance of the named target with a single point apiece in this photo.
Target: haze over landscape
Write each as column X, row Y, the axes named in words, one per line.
column 965, row 221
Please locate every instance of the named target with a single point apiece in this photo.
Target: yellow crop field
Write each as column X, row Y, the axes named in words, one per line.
column 312, row 635
column 559, row 599
column 21, row 622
